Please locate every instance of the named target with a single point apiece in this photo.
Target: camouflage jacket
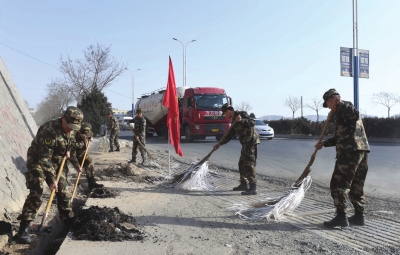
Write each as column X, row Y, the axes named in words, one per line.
column 349, row 130
column 140, row 126
column 113, row 125
column 49, row 147
column 80, row 147
column 244, row 130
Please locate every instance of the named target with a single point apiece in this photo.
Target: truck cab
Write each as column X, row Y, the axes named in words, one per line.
column 200, row 113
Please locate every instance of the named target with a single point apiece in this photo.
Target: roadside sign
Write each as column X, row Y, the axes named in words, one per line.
column 363, row 63
column 346, row 62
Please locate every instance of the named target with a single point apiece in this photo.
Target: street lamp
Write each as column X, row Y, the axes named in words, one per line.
column 133, row 91
column 184, row 59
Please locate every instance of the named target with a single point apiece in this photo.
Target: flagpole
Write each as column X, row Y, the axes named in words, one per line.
column 169, row 158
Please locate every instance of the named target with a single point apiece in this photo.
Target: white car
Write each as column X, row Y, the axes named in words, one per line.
column 263, row 130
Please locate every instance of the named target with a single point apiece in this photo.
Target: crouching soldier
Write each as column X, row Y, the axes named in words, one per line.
column 54, row 140
column 83, row 136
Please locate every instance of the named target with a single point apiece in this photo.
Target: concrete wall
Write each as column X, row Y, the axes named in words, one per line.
column 17, row 129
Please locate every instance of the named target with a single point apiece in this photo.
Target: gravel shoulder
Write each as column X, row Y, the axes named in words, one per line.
column 181, row 222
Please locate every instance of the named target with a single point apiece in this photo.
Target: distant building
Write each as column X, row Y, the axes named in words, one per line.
column 116, row 111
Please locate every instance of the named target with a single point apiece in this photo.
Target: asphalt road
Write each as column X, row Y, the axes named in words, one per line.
column 287, row 158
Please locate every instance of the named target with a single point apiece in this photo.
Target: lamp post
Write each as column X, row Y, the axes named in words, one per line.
column 133, row 91
column 184, row 59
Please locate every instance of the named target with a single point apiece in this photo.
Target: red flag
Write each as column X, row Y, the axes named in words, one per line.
column 171, row 102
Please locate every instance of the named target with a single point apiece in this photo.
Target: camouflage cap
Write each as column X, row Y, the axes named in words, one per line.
column 328, row 94
column 74, row 116
column 86, row 129
column 226, row 107
column 138, row 110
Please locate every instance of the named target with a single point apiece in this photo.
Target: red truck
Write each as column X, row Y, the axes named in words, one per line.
column 199, row 112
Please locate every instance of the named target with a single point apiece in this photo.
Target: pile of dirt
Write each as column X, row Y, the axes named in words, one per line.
column 103, row 193
column 127, row 172
column 105, row 224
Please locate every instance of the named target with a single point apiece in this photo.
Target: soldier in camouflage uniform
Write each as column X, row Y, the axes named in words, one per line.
column 139, row 132
column 54, row 140
column 84, row 135
column 113, row 127
column 248, row 137
column 351, row 165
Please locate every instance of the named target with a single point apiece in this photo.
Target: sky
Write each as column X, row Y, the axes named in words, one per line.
column 260, row 52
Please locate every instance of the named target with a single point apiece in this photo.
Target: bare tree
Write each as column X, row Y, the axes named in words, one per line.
column 293, row 103
column 97, row 70
column 316, row 105
column 243, row 106
column 57, row 99
column 386, row 99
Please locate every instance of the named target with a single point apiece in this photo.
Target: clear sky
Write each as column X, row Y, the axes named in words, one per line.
column 261, row 52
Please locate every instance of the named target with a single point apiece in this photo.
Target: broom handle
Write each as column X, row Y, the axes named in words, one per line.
column 141, row 145
column 79, row 174
column 211, row 152
column 307, row 170
column 53, row 191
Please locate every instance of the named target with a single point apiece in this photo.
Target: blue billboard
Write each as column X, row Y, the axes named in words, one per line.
column 363, row 56
column 346, row 62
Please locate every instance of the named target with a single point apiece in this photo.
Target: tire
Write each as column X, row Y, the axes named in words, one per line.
column 202, row 137
column 218, row 137
column 188, row 136
column 164, row 132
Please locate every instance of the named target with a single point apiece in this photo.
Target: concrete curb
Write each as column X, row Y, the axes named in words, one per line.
column 314, row 137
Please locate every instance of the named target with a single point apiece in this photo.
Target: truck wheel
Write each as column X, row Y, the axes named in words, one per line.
column 165, row 132
column 218, row 137
column 188, row 136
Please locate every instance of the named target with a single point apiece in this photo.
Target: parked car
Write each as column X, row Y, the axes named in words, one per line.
column 263, row 130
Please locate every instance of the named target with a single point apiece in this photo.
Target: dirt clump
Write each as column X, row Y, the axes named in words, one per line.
column 103, row 193
column 105, row 224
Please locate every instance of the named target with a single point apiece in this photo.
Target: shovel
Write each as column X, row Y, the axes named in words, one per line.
column 48, row 229
column 141, row 145
column 79, row 174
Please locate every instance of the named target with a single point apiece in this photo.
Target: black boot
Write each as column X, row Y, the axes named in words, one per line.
column 92, row 183
column 133, row 160
column 252, row 190
column 111, row 149
column 340, row 220
column 23, row 233
column 242, row 186
column 357, row 219
column 117, row 148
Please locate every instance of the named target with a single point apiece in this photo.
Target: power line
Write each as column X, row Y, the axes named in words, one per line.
column 119, row 93
column 29, row 56
column 52, row 65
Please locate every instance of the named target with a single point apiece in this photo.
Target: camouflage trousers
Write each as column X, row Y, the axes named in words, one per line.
column 114, row 139
column 34, row 182
column 247, row 163
column 348, row 180
column 88, row 165
column 136, row 146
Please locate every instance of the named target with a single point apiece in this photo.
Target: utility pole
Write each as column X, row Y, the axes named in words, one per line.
column 355, row 54
column 301, row 100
